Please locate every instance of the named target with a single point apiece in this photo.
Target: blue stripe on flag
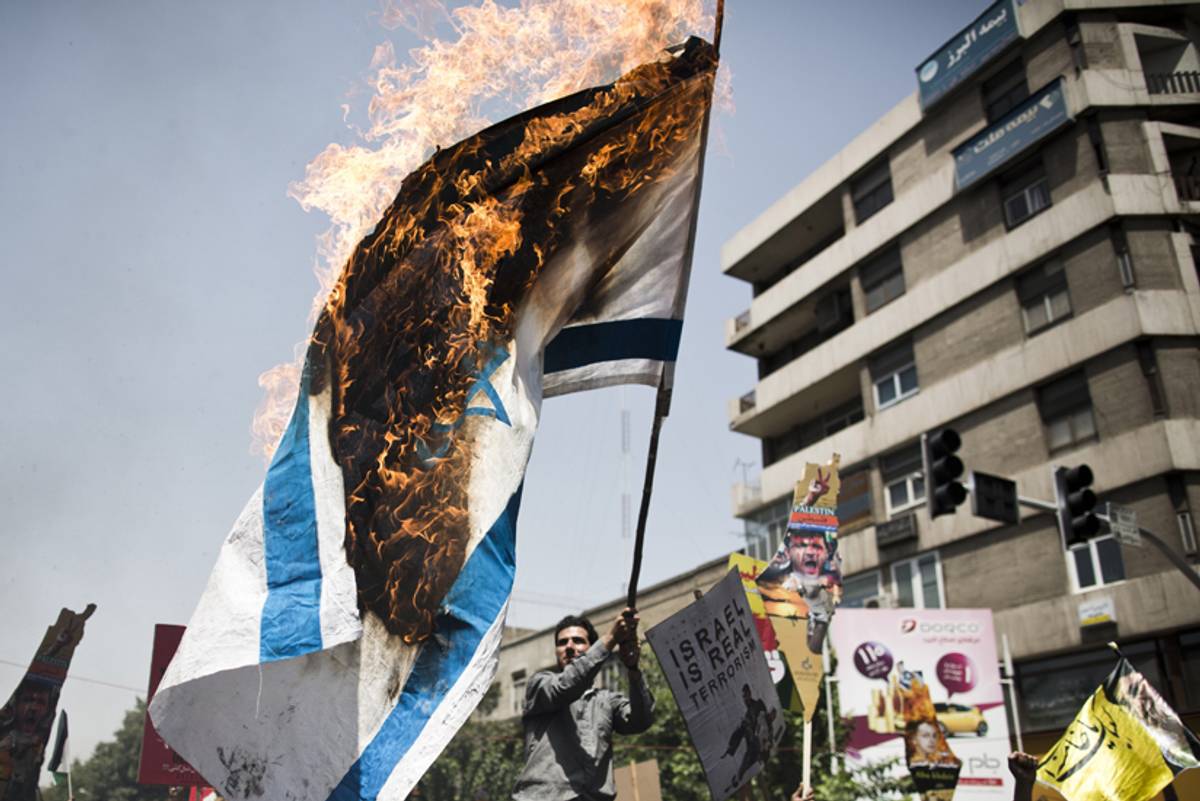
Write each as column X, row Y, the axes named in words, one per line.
column 291, row 616
column 581, row 345
column 471, row 608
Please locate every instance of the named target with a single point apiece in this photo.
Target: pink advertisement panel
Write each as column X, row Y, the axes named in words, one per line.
column 890, row 659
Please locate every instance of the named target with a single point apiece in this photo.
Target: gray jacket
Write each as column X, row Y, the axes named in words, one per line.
column 568, row 730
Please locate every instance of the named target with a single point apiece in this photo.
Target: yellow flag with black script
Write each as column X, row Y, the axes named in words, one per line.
column 1126, row 744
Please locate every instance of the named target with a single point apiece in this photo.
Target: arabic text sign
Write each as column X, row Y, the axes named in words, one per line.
column 1035, row 119
column 713, row 661
column 159, row 763
column 969, row 50
column 885, row 655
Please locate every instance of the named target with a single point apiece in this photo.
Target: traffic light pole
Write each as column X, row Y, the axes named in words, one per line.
column 1174, row 558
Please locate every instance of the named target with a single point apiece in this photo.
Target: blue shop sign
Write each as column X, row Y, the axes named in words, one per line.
column 969, row 50
column 1034, row 120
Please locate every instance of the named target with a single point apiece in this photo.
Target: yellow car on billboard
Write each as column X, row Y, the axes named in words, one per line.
column 960, row 719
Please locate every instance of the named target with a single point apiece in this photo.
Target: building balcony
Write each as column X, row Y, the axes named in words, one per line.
column 791, row 393
column 1121, row 320
column 1173, row 83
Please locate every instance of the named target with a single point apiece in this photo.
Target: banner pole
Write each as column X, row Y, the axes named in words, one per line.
column 662, row 403
column 807, row 771
column 660, row 411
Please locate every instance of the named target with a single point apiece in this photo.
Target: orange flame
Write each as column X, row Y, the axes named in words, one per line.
column 503, row 59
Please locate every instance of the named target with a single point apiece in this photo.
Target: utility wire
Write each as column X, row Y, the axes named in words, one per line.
column 24, row 666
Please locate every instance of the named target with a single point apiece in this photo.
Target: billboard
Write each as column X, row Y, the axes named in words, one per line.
column 970, row 49
column 890, row 661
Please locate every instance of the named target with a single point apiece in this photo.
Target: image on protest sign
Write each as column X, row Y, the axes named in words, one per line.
column 749, row 568
column 28, row 715
column 712, row 657
column 923, row 686
column 804, row 578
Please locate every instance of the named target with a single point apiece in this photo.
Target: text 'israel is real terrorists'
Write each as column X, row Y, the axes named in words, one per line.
column 714, row 654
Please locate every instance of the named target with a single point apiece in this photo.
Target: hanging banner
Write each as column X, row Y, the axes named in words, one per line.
column 159, row 764
column 804, row 578
column 923, row 686
column 26, row 719
column 970, row 49
column 712, row 657
column 1044, row 113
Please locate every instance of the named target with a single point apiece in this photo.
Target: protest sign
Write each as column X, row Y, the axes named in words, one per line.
column 923, row 685
column 1126, row 742
column 159, row 764
column 712, row 657
column 804, row 578
column 26, row 719
column 749, row 568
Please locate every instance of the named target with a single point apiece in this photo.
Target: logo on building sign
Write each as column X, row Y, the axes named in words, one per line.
column 908, row 625
column 929, row 71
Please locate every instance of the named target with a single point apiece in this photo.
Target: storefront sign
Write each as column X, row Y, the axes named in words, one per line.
column 1096, row 612
column 1035, row 119
column 970, row 49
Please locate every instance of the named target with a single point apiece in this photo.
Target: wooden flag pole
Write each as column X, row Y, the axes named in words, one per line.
column 662, row 403
column 806, row 773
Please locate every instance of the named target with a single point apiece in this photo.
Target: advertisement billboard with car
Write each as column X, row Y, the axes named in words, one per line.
column 923, row 686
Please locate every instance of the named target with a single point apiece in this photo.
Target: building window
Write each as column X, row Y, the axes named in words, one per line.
column 1004, row 91
column 764, row 529
column 1149, row 365
column 903, row 480
column 1096, row 564
column 843, row 416
column 894, row 374
column 861, row 590
column 871, row 190
column 1124, row 259
column 882, row 278
column 1177, row 492
column 918, row 582
column 1024, row 196
column 1052, row 690
column 1066, row 410
column 1043, row 295
column 517, row 706
column 854, row 500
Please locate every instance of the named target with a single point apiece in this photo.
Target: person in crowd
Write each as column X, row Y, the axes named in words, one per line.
column 569, row 723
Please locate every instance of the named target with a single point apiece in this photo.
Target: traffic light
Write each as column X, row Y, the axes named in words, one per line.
column 1074, row 501
column 942, row 470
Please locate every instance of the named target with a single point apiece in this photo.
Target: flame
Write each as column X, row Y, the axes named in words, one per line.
column 424, row 302
column 503, row 60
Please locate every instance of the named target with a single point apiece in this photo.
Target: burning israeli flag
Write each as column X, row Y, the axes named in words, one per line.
column 352, row 621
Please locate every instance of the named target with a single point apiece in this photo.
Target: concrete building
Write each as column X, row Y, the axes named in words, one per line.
column 1011, row 251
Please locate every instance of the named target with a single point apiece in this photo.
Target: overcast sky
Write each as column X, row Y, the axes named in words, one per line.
column 154, row 267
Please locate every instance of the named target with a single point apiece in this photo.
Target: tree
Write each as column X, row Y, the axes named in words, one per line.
column 111, row 772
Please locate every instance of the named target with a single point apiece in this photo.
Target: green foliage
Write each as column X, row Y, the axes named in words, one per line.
column 111, row 772
column 481, row 763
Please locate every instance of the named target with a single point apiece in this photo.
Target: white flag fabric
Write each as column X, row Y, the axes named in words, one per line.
column 352, row 620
